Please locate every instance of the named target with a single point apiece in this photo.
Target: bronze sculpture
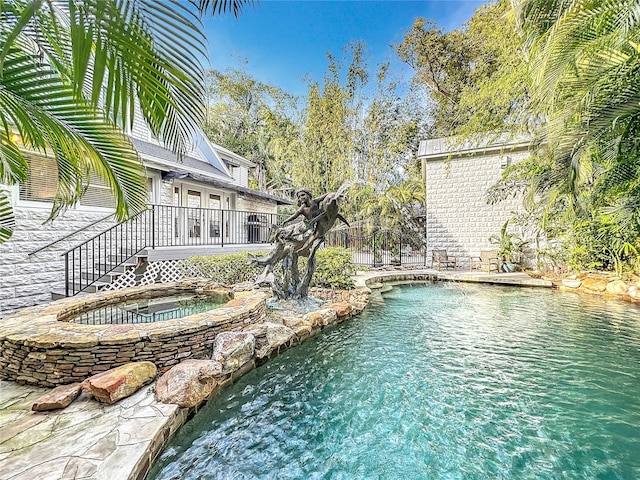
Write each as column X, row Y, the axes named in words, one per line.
column 301, row 239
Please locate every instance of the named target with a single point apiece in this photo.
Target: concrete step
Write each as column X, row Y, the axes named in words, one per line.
column 106, row 278
column 113, row 267
column 129, row 257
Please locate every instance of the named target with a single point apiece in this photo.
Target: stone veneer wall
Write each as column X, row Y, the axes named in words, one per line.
column 27, row 280
column 458, row 216
column 38, row 349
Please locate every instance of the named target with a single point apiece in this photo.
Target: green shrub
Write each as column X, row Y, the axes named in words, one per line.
column 227, row 269
column 334, row 267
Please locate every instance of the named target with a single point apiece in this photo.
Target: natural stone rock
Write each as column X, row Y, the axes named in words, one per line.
column 342, row 309
column 634, row 292
column 295, row 321
column 278, row 334
column 120, row 382
column 232, row 350
column 189, row 383
column 59, row 397
column 275, row 335
column 594, row 284
column 571, row 282
column 321, row 318
column 244, row 286
column 617, row 287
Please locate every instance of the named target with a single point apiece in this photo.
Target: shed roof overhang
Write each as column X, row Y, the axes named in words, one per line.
column 182, row 174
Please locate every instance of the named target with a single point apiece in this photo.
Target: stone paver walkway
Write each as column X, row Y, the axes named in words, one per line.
column 89, row 440
column 86, row 440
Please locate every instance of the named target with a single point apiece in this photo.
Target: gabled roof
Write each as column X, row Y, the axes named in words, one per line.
column 232, row 158
column 165, row 157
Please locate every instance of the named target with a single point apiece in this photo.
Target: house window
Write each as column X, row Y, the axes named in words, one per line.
column 98, row 194
column 42, row 180
column 150, row 192
column 42, row 183
column 193, row 202
column 214, row 217
column 193, row 199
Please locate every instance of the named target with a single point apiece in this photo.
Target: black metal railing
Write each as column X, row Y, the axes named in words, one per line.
column 109, row 252
column 381, row 248
column 160, row 226
column 94, row 259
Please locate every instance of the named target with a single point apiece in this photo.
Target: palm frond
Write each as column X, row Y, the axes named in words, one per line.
column 7, row 219
column 50, row 119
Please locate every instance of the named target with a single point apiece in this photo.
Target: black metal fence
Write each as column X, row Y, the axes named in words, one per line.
column 381, row 248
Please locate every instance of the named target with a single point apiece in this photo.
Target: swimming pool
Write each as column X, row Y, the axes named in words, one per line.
column 435, row 381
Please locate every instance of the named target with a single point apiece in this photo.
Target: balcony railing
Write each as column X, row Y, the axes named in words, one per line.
column 111, row 251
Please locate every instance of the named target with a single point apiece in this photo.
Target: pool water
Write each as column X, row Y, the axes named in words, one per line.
column 148, row 310
column 443, row 381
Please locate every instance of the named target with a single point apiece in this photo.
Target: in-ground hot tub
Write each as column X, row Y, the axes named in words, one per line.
column 39, row 346
column 147, row 310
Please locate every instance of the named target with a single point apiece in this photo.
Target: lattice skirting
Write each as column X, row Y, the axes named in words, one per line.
column 156, row 272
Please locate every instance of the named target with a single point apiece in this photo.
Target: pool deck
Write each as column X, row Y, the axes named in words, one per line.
column 90, row 440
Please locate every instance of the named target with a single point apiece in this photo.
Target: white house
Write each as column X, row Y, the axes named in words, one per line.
column 457, row 177
column 201, row 203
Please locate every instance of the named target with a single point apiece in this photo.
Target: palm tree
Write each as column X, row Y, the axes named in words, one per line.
column 585, row 63
column 74, row 72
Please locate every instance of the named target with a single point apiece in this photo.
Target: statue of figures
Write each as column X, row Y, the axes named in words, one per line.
column 300, row 239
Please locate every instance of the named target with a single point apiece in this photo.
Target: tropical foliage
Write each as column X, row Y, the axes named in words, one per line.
column 74, row 73
column 255, row 120
column 585, row 71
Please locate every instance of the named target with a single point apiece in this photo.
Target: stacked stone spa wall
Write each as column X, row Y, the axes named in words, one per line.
column 37, row 348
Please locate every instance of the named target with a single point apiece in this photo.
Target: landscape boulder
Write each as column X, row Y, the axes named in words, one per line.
column 120, row 382
column 594, row 284
column 617, row 287
column 269, row 336
column 233, row 350
column 59, row 397
column 189, row 383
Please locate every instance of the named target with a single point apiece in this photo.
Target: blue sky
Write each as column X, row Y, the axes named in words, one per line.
column 279, row 42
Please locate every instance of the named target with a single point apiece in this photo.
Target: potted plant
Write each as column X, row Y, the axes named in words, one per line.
column 510, row 248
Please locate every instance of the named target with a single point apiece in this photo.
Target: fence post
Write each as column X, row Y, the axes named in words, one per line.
column 66, row 274
column 222, row 232
column 153, row 226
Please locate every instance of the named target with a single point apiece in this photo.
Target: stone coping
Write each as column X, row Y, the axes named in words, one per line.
column 46, row 326
column 370, row 278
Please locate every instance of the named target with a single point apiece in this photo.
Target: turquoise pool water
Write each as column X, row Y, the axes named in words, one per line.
column 443, row 381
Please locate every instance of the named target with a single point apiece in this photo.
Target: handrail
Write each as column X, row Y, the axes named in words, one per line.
column 161, row 226
column 70, row 235
column 103, row 232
